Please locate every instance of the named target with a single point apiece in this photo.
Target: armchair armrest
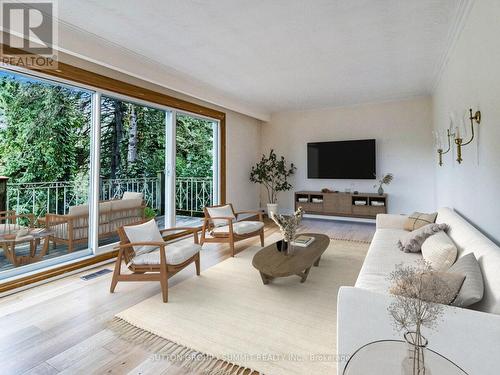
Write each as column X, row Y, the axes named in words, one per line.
column 254, row 213
column 208, row 219
column 193, row 230
column 390, row 221
column 142, row 243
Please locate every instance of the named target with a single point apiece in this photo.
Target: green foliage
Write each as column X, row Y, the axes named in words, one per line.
column 149, row 213
column 45, row 135
column 194, row 147
column 273, row 173
column 43, row 131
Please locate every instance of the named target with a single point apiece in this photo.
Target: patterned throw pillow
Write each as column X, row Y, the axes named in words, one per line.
column 418, row 220
column 412, row 242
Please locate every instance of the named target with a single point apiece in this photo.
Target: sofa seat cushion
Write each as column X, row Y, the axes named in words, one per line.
column 177, row 253
column 240, row 228
column 381, row 260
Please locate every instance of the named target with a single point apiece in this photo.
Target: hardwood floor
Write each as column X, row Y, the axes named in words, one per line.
column 61, row 327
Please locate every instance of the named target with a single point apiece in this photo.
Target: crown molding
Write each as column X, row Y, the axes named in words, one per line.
column 460, row 18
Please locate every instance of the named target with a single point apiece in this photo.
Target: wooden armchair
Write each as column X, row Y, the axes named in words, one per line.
column 150, row 258
column 221, row 223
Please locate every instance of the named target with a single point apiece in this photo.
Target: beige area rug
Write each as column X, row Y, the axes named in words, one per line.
column 227, row 314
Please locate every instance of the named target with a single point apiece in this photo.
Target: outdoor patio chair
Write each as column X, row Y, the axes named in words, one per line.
column 149, row 258
column 221, row 222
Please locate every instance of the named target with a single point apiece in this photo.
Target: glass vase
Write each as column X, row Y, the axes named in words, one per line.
column 414, row 362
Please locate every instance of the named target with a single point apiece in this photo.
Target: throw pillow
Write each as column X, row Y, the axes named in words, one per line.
column 412, row 242
column 222, row 211
column 434, row 287
column 418, row 220
column 473, row 288
column 147, row 232
column 439, row 251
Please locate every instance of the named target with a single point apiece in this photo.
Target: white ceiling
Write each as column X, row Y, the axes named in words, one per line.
column 274, row 55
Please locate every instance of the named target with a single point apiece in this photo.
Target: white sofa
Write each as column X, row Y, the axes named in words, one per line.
column 468, row 337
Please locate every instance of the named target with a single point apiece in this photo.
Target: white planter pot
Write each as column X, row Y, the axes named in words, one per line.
column 272, row 208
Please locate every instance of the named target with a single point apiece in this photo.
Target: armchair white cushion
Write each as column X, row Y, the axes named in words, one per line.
column 147, row 232
column 223, row 211
column 177, row 253
column 241, row 227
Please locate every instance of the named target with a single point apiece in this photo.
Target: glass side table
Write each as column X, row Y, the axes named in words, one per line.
column 387, row 356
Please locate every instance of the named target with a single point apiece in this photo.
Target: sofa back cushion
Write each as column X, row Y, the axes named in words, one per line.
column 132, row 195
column 124, row 212
column 469, row 240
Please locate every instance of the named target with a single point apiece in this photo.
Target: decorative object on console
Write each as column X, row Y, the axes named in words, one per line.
column 419, row 298
column 326, row 190
column 386, row 180
column 412, row 242
column 417, row 220
column 360, row 203
column 458, row 137
column 288, row 225
column 273, row 173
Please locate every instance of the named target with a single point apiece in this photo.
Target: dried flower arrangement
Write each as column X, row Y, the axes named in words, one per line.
column 420, row 295
column 386, row 180
column 289, row 224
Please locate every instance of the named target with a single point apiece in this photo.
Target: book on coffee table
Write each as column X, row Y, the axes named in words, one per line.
column 303, row 241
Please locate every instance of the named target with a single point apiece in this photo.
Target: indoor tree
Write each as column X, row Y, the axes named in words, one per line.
column 272, row 172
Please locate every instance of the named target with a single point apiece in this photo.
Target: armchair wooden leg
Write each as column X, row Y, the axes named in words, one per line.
column 231, row 246
column 262, row 238
column 164, row 283
column 197, row 264
column 116, row 273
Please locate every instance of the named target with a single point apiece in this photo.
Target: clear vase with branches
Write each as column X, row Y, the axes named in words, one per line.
column 419, row 298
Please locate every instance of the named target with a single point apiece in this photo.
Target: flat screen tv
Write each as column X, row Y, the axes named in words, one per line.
column 342, row 159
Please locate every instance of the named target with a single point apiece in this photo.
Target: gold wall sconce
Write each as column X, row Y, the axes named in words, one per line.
column 459, row 140
column 440, row 150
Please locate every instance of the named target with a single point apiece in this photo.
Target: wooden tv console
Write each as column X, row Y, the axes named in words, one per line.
column 341, row 204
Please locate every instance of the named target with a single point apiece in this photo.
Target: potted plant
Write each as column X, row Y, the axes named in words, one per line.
column 273, row 173
column 386, row 180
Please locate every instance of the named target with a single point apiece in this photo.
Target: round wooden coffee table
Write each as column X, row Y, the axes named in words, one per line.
column 273, row 263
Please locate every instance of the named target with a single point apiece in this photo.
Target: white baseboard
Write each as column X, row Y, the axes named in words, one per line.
column 340, row 218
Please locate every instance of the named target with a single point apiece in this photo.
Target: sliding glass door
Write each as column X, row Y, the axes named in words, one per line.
column 196, row 167
column 79, row 163
column 45, row 130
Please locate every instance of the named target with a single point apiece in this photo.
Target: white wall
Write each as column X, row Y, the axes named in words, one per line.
column 472, row 79
column 403, row 131
column 243, row 137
